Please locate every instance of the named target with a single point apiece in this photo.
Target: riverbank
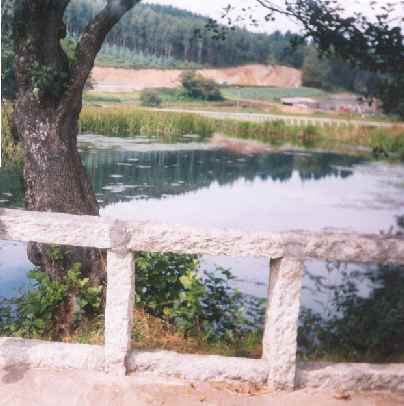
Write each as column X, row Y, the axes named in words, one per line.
column 132, row 122
column 170, row 126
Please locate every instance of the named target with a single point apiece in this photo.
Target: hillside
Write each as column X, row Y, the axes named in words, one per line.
column 126, row 80
column 163, row 36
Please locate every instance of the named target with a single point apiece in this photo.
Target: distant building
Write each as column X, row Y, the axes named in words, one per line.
column 305, row 102
column 344, row 103
column 349, row 103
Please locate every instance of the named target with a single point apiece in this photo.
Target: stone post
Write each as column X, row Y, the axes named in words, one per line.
column 119, row 310
column 280, row 335
column 119, row 300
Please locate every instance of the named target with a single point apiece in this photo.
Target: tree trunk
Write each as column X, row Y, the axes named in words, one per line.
column 55, row 180
column 46, row 114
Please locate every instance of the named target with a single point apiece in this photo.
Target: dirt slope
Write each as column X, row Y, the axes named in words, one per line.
column 126, row 80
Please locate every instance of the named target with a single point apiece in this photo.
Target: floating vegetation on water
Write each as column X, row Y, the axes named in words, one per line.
column 118, row 188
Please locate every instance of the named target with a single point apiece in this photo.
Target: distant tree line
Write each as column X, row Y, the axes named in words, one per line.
column 164, row 36
column 174, row 34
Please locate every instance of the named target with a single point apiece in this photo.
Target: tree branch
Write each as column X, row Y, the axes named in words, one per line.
column 89, row 45
column 370, row 45
column 274, row 8
column 60, row 5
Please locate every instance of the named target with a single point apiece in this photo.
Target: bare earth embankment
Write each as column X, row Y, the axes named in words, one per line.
column 127, row 80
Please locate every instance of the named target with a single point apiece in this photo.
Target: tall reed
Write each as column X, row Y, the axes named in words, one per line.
column 131, row 122
column 127, row 122
column 11, row 151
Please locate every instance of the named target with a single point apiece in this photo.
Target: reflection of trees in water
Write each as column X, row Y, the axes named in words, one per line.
column 160, row 173
column 362, row 317
column 11, row 187
column 357, row 326
column 156, row 174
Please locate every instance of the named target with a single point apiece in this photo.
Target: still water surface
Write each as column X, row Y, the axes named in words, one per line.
column 208, row 187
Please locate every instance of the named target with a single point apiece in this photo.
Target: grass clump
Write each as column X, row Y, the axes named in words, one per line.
column 270, row 93
column 12, row 152
column 275, row 132
column 382, row 144
column 96, row 97
column 132, row 122
column 385, row 143
column 125, row 122
column 150, row 98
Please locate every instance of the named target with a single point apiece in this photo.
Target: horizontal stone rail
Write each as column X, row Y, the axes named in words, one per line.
column 17, row 352
column 286, row 253
column 105, row 233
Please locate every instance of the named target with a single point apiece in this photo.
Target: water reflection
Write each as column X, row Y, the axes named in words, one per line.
column 122, row 175
column 11, row 187
column 353, row 313
column 276, row 191
column 14, row 265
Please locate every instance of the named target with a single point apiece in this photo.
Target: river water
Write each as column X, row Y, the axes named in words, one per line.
column 204, row 186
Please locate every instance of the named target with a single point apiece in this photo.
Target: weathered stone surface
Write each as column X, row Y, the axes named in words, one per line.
column 99, row 232
column 199, row 367
column 119, row 310
column 25, row 354
column 349, row 376
column 44, row 354
column 280, row 335
column 55, row 228
column 146, row 236
column 278, row 364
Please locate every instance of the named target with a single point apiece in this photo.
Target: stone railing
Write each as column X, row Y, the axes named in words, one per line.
column 286, row 253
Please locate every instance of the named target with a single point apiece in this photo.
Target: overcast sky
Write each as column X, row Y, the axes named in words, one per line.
column 213, row 8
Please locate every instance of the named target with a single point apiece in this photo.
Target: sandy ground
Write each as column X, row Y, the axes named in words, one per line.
column 41, row 387
column 126, row 80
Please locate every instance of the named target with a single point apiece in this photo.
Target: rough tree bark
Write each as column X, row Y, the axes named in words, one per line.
column 47, row 109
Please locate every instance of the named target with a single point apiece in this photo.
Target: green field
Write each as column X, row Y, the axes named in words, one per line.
column 270, row 93
column 97, row 97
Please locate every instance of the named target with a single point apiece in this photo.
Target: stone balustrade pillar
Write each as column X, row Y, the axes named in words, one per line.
column 280, row 335
column 119, row 310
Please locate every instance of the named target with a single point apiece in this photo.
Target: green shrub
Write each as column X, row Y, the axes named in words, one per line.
column 198, row 303
column 150, row 98
column 309, row 135
column 197, row 87
column 35, row 313
column 168, row 286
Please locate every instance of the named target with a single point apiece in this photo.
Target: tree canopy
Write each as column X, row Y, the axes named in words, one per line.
column 373, row 44
column 178, row 35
